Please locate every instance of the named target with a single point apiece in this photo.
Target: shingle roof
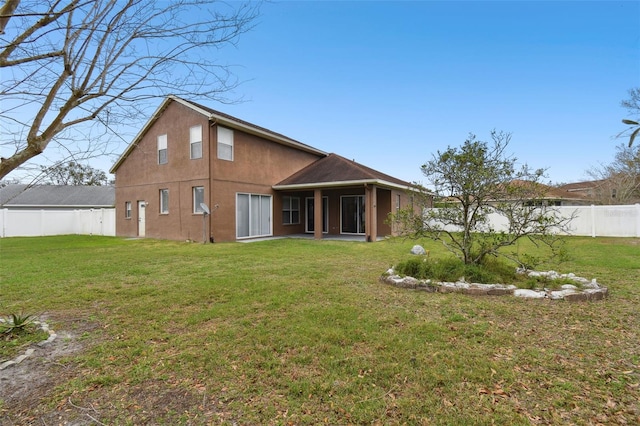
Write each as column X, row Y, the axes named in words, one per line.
column 57, row 196
column 334, row 170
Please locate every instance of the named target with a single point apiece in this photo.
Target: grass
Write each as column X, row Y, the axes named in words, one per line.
column 302, row 332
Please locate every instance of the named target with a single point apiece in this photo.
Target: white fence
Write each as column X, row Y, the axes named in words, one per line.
column 38, row 223
column 604, row 221
column 593, row 221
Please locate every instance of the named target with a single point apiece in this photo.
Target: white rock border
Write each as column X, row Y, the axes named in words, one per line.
column 591, row 290
column 44, row 327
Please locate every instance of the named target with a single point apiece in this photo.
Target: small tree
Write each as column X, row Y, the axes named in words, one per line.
column 470, row 184
column 74, row 173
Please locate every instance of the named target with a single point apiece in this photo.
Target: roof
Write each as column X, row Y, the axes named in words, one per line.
column 549, row 192
column 334, row 170
column 582, row 186
column 70, row 196
column 216, row 117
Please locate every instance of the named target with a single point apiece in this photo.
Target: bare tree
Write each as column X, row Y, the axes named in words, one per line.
column 73, row 173
column 619, row 181
column 66, row 63
column 633, row 106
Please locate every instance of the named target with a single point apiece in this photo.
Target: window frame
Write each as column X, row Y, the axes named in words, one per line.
column 127, row 209
column 162, row 148
column 222, row 140
column 259, row 223
column 289, row 212
column 197, row 209
column 164, row 201
column 193, row 142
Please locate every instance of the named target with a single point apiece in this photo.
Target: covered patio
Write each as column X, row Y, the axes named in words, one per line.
column 355, row 200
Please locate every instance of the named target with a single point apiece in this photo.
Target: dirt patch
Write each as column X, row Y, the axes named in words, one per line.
column 24, row 386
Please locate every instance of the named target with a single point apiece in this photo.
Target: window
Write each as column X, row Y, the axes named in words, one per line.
column 290, row 210
column 127, row 210
column 397, row 202
column 164, row 201
column 253, row 215
column 225, row 143
column 195, row 139
column 198, row 198
column 162, row 149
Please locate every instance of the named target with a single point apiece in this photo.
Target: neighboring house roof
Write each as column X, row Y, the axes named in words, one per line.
column 218, row 118
column 334, row 170
column 549, row 192
column 57, row 196
column 582, row 186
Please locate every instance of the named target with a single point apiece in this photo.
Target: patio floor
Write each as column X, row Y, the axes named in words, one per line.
column 360, row 238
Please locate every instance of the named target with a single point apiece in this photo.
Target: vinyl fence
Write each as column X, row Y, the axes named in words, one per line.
column 593, row 221
column 38, row 223
column 605, row 221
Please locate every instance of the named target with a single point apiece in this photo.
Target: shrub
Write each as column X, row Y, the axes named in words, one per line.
column 491, row 271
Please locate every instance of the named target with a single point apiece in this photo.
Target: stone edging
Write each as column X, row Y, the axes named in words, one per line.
column 591, row 290
column 44, row 327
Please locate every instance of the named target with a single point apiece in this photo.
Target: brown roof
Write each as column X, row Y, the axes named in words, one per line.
column 582, row 186
column 550, row 192
column 229, row 118
column 334, row 170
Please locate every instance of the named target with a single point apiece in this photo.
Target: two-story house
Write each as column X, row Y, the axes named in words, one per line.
column 256, row 183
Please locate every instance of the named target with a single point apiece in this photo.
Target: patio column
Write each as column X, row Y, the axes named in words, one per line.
column 317, row 214
column 371, row 213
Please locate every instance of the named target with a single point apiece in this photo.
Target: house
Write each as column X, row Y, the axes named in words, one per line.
column 56, row 197
column 189, row 159
column 618, row 189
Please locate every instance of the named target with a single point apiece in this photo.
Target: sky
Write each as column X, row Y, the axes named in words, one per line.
column 389, row 84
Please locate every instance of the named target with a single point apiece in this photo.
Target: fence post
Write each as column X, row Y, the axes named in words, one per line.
column 638, row 220
column 593, row 221
column 4, row 222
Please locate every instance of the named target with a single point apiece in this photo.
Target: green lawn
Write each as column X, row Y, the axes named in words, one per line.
column 302, row 332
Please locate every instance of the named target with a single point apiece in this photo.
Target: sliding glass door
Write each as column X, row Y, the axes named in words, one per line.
column 352, row 214
column 253, row 215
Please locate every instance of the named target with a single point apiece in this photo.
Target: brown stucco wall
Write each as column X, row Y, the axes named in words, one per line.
column 257, row 165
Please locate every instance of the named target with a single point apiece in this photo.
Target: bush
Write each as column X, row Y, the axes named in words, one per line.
column 491, row 271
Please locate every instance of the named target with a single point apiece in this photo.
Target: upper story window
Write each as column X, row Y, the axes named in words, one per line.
column 225, row 143
column 164, row 201
column 195, row 139
column 290, row 210
column 162, row 149
column 127, row 209
column 198, row 199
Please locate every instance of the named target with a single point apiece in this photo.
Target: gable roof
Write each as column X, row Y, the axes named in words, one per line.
column 582, row 186
column 549, row 192
column 215, row 117
column 68, row 196
column 334, row 171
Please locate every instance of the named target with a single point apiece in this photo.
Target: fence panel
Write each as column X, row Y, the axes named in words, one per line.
column 594, row 221
column 35, row 223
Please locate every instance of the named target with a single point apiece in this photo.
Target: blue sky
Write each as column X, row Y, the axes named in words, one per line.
column 390, row 83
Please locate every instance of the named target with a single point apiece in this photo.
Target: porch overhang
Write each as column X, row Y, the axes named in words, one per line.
column 341, row 184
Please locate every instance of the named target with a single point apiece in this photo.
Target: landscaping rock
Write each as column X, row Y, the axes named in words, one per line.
column 418, row 249
column 569, row 292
